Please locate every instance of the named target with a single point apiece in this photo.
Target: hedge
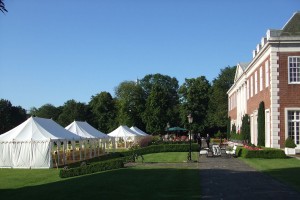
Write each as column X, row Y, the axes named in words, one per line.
column 265, row 153
column 162, row 148
column 117, row 160
column 104, row 157
column 92, row 168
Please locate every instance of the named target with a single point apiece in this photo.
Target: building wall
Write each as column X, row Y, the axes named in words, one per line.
column 289, row 93
column 264, row 95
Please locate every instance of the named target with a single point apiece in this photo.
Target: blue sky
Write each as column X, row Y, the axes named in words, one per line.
column 54, row 51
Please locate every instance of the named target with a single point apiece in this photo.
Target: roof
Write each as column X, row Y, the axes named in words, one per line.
column 244, row 65
column 123, row 131
column 85, row 130
column 38, row 129
column 292, row 27
column 138, row 131
column 241, row 67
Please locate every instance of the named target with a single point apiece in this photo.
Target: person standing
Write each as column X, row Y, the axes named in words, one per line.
column 207, row 140
column 199, row 141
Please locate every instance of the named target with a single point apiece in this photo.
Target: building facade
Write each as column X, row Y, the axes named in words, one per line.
column 272, row 76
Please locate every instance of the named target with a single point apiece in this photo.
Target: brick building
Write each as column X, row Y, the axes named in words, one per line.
column 272, row 76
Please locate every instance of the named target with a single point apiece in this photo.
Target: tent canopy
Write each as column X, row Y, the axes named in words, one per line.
column 123, row 131
column 38, row 129
column 138, row 131
column 29, row 144
column 176, row 129
column 85, row 130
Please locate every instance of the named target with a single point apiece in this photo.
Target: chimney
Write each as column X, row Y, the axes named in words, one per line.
column 253, row 53
column 263, row 41
column 258, row 47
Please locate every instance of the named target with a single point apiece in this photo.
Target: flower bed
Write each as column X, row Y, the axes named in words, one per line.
column 252, row 148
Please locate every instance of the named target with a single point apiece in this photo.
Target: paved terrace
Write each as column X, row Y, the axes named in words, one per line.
column 231, row 178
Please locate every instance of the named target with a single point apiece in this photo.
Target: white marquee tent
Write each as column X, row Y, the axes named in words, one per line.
column 138, row 131
column 85, row 130
column 29, row 145
column 125, row 133
column 94, row 138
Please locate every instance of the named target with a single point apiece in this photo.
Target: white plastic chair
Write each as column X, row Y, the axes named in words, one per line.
column 216, row 150
column 232, row 152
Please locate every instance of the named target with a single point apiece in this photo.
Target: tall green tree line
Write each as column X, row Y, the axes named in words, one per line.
column 150, row 104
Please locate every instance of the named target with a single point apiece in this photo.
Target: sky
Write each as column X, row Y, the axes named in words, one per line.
column 55, row 51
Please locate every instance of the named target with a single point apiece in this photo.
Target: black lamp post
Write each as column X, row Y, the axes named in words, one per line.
column 190, row 119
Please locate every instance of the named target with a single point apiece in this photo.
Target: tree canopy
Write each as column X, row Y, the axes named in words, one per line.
column 131, row 104
column 10, row 116
column 2, row 6
column 150, row 104
column 194, row 97
column 104, row 112
column 218, row 101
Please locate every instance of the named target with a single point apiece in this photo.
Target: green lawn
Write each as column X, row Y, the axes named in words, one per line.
column 285, row 170
column 169, row 157
column 139, row 182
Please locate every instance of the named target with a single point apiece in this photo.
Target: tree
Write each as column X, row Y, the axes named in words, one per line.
column 245, row 129
column 170, row 88
column 228, row 127
column 194, row 97
column 131, row 104
column 2, row 7
column 156, row 115
column 73, row 110
column 169, row 84
column 218, row 101
column 104, row 112
column 48, row 111
column 10, row 116
column 261, row 124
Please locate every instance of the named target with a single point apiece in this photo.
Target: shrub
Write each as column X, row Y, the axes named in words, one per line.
column 265, row 153
column 245, row 129
column 162, row 148
column 96, row 159
column 289, row 143
column 228, row 127
column 261, row 124
column 145, row 141
column 92, row 168
column 156, row 140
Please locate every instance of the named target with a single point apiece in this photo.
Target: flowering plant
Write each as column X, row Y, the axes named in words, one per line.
column 252, row 148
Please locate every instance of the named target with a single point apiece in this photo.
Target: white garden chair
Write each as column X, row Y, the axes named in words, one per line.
column 232, row 152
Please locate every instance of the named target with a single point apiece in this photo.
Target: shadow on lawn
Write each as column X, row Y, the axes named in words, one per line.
column 290, row 176
column 128, row 183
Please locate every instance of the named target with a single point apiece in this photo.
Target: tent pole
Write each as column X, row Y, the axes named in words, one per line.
column 64, row 154
column 84, row 146
column 114, row 144
column 73, row 149
column 57, row 150
column 80, row 149
column 98, row 146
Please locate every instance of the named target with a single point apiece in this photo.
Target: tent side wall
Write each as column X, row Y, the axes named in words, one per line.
column 6, row 155
column 25, row 154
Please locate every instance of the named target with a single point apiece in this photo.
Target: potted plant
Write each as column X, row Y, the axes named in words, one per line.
column 290, row 146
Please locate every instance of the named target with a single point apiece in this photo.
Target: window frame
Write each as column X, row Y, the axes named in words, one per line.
column 287, row 110
column 289, row 70
column 267, row 73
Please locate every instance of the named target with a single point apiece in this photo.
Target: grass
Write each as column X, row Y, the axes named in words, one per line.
column 139, row 182
column 169, row 157
column 285, row 170
column 17, row 178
